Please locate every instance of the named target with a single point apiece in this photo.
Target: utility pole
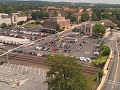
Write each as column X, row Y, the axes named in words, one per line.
column 7, row 58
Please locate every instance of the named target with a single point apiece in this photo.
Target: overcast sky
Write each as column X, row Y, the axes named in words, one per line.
column 91, row 1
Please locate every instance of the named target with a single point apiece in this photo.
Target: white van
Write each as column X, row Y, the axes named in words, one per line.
column 2, row 46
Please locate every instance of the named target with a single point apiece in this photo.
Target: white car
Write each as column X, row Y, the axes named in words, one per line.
column 38, row 48
column 88, row 59
column 82, row 58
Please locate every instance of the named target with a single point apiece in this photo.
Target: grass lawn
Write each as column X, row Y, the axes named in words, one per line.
column 92, row 81
column 31, row 25
column 100, row 60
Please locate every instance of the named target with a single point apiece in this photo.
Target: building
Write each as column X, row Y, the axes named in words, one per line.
column 12, row 18
column 52, row 22
column 86, row 28
column 12, row 40
column 52, row 10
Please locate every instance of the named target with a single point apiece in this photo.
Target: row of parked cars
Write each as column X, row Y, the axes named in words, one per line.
column 84, row 59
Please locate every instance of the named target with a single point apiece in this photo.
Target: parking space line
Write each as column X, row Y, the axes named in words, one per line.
column 1, row 77
column 11, row 79
column 6, row 65
column 43, row 72
column 18, row 67
column 10, row 66
column 26, row 68
column 34, row 70
column 39, row 71
column 6, row 78
column 30, row 69
column 1, row 66
column 22, row 68
column 14, row 67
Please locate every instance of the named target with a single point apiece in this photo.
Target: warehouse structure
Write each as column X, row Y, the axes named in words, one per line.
column 12, row 40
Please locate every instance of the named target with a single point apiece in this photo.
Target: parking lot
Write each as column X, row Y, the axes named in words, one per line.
column 12, row 73
column 25, row 33
column 69, row 44
column 78, row 46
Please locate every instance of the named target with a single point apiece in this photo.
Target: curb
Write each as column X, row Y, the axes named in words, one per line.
column 105, row 70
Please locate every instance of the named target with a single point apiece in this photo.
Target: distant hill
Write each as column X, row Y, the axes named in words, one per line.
column 48, row 3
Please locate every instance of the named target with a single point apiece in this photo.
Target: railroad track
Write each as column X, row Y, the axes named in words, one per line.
column 25, row 58
column 36, row 61
column 90, row 69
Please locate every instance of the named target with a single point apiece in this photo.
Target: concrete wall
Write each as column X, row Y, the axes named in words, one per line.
column 5, row 20
column 12, row 19
column 21, row 18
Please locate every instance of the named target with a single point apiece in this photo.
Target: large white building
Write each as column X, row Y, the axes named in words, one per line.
column 12, row 18
column 86, row 27
column 12, row 40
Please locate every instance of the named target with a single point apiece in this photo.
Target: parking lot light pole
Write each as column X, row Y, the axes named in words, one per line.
column 7, row 58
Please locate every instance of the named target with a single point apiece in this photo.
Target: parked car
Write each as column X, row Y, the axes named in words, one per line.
column 2, row 46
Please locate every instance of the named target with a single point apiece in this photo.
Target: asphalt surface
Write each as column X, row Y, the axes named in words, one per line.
column 113, row 79
column 12, row 73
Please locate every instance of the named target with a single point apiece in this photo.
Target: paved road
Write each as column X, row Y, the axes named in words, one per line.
column 113, row 79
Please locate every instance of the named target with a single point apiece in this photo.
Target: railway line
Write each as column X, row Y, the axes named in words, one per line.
column 38, row 61
column 14, row 57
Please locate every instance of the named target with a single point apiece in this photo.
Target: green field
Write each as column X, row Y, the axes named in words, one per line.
column 100, row 61
column 31, row 25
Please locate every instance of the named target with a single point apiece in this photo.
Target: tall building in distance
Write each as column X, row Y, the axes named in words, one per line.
column 52, row 22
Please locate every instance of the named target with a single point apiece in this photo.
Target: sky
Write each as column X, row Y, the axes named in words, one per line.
column 90, row 1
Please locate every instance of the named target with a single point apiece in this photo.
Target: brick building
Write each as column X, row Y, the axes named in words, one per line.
column 52, row 22
column 51, row 10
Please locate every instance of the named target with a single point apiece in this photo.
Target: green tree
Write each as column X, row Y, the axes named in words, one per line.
column 98, row 13
column 55, row 13
column 100, row 74
column 39, row 15
column 98, row 30
column 105, row 51
column 84, row 17
column 113, row 18
column 20, row 22
column 118, row 23
column 4, row 25
column 9, row 10
column 71, row 17
column 65, row 74
column 117, row 14
column 106, row 16
column 94, row 17
column 58, row 28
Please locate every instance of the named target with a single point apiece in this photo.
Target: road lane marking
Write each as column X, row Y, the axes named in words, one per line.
column 117, row 64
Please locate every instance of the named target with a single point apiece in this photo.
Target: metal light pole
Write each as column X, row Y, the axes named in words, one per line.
column 7, row 58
